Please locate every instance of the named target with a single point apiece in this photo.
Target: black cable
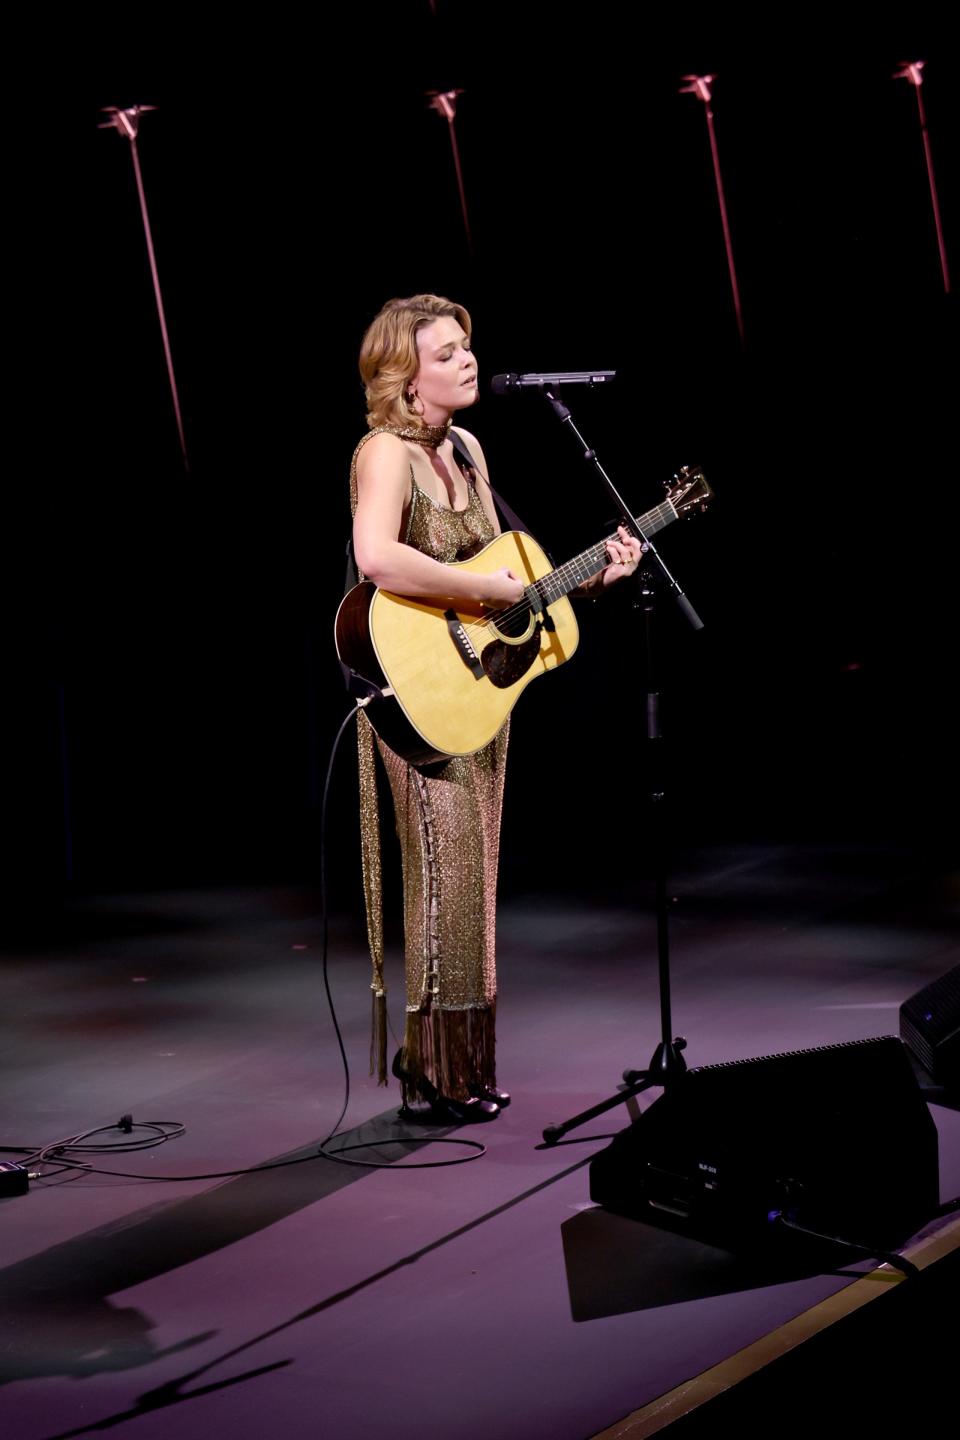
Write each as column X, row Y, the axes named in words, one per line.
column 888, row 1257
column 474, row 1145
column 59, row 1152
column 163, row 1130
column 57, row 1149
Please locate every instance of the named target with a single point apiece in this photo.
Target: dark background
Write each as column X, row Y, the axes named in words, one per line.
column 174, row 690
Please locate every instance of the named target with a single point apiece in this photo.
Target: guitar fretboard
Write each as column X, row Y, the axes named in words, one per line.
column 583, row 567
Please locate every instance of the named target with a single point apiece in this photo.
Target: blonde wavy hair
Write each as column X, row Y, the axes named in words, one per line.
column 389, row 358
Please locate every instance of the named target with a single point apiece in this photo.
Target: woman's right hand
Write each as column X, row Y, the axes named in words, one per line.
column 502, row 587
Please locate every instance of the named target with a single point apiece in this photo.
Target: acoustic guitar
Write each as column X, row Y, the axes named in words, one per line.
column 449, row 678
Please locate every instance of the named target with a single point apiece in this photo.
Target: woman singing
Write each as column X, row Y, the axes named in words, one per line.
column 416, row 510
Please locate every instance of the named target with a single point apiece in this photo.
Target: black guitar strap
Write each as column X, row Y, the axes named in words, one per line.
column 503, row 509
column 511, row 517
column 513, row 522
column 352, row 576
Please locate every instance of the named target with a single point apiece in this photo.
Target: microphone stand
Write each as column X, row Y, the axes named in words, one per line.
column 667, row 1061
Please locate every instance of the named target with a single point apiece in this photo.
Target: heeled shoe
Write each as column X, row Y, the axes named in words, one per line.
column 397, row 1070
column 500, row 1098
column 443, row 1110
column 463, row 1112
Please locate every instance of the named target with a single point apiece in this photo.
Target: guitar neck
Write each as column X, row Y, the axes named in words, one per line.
column 583, row 567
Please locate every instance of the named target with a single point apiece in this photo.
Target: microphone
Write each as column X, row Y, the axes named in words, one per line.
column 504, row 384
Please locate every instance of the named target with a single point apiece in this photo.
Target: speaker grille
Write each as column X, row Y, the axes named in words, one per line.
column 930, row 1026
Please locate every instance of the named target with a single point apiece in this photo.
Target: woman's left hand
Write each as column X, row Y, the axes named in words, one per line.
column 624, row 550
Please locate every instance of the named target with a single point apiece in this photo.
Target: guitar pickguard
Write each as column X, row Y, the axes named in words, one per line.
column 505, row 664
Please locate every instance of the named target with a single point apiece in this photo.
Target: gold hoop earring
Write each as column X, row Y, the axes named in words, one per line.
column 416, row 404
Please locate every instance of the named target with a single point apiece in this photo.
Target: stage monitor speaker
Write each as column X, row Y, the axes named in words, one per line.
column 838, row 1139
column 930, row 1027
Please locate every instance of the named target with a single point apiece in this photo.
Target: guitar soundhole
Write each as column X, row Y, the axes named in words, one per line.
column 513, row 621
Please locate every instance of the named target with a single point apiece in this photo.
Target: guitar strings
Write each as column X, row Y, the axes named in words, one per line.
column 650, row 523
column 563, row 572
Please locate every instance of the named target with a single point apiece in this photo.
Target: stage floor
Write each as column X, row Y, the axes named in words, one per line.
column 486, row 1299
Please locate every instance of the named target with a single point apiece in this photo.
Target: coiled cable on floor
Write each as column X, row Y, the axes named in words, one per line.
column 68, row 1154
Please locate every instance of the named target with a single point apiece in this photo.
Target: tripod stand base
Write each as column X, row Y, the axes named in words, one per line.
column 665, row 1066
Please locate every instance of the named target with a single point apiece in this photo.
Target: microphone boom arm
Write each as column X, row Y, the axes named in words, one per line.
column 651, row 552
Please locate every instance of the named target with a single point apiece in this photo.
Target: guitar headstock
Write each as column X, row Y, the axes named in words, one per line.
column 688, row 491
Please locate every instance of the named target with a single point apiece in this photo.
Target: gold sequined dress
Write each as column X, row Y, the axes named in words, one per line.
column 448, row 823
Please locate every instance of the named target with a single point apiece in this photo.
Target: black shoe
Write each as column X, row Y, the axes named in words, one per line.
column 443, row 1110
column 396, row 1067
column 421, row 1084
column 500, row 1098
column 463, row 1112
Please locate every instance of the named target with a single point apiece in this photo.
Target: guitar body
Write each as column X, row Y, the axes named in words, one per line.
column 454, row 675
column 451, row 677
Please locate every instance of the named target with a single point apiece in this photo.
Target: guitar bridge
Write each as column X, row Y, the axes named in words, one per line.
column 462, row 644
